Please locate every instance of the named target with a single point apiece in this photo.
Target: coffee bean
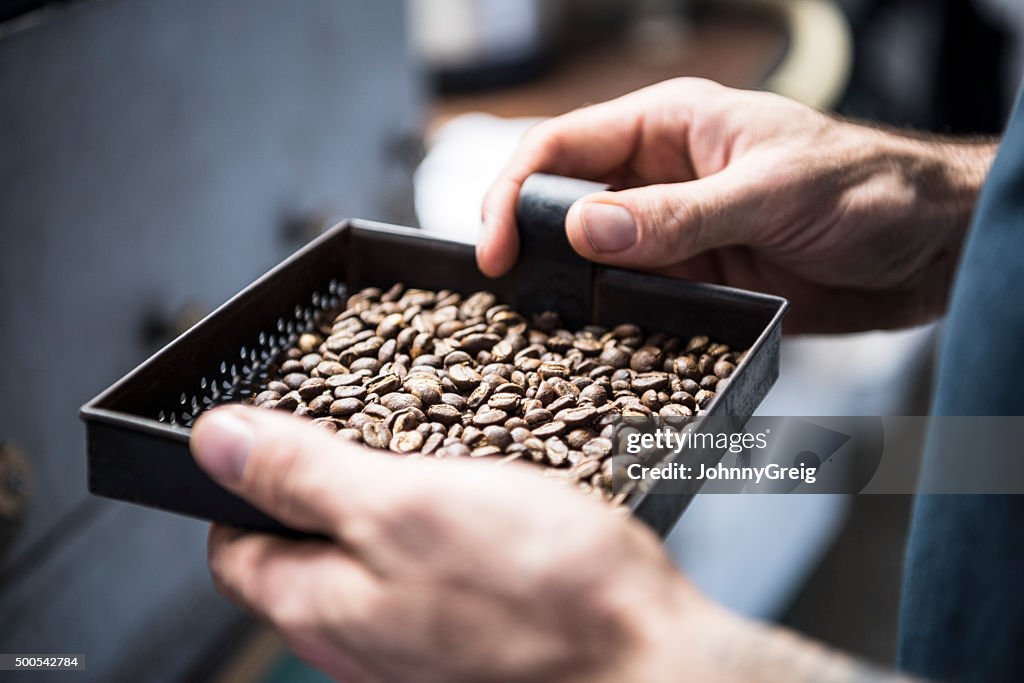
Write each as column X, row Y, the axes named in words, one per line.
column 580, row 436
column 646, row 359
column 508, row 402
column 384, row 384
column 320, row 405
column 561, row 403
column 406, row 442
column 599, row 447
column 595, row 394
column 686, row 368
column 575, row 417
column 376, row 435
column 343, row 407
column 549, row 429
column 377, row 411
column 265, row 396
column 658, row 381
column 350, row 392
column 312, row 388
column 556, row 451
column 289, row 401
column 498, row 436
column 586, row 467
column 489, row 416
column 479, row 395
column 350, row 434
column 703, row 398
column 723, row 369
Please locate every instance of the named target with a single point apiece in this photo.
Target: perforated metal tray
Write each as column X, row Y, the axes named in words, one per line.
column 137, row 430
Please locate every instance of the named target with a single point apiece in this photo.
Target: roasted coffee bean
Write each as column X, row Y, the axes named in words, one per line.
column 485, row 451
column 292, row 366
column 658, row 381
column 549, row 370
column 384, row 384
column 538, row 416
column 294, row 380
column 310, row 361
column 703, row 398
column 595, row 394
column 308, row 342
column 474, row 343
column 489, row 416
column 432, row 443
column 406, row 442
column 549, row 429
column 455, row 450
column 561, row 403
column 265, row 396
column 498, row 436
column 312, row 388
column 376, row 435
column 350, row 392
column 345, row 379
column 675, row 410
column 576, row 417
column 507, row 402
column 377, row 411
column 351, row 434
column 479, row 395
column 697, row 344
column 689, row 386
column 579, row 436
column 427, row 390
column 686, row 368
column 464, row 377
column 320, row 405
column 289, row 401
column 723, row 369
column 406, row 420
column 556, row 451
column 343, row 407
column 586, row 467
column 598, row 447
column 709, row 382
column 646, row 359
column 399, row 401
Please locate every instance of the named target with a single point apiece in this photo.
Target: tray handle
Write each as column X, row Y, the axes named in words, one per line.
column 547, row 262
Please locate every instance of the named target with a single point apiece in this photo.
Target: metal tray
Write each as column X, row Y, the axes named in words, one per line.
column 137, row 430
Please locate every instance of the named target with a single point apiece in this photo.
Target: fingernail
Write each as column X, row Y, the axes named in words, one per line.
column 221, row 445
column 609, row 227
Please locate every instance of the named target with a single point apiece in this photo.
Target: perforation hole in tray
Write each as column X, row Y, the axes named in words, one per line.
column 242, row 374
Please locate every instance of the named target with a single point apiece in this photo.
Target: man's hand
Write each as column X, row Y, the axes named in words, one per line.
column 436, row 570
column 860, row 228
column 461, row 570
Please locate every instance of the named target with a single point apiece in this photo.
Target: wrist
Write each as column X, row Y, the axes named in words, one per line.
column 940, row 177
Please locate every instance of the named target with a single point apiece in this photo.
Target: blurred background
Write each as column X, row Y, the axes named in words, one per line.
column 157, row 156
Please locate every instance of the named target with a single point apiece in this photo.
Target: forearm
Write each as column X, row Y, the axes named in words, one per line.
column 696, row 640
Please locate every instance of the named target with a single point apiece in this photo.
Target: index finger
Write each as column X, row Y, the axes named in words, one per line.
column 593, row 143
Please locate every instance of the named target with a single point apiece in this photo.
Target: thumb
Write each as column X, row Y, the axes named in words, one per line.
column 659, row 225
column 298, row 474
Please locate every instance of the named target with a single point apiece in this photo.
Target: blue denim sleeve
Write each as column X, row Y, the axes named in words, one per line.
column 962, row 612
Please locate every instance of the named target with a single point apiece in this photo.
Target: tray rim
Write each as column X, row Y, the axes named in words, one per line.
column 94, row 410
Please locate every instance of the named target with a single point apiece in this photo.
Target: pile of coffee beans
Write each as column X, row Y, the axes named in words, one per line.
column 442, row 375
